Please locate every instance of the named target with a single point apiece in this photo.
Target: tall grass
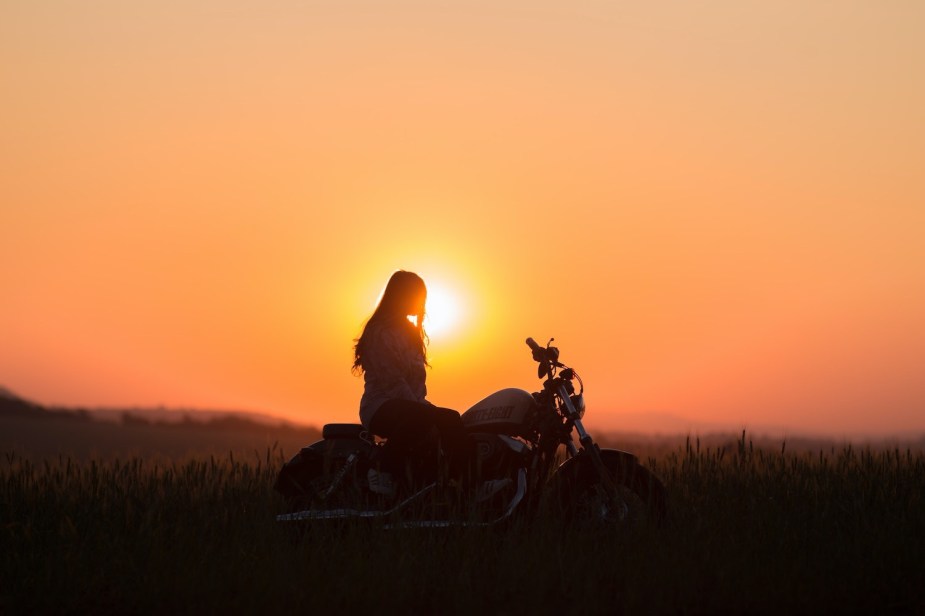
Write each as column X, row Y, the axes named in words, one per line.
column 750, row 530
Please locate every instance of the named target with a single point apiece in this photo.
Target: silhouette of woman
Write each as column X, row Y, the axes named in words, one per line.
column 391, row 353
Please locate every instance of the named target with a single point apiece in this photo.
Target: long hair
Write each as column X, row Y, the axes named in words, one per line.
column 404, row 296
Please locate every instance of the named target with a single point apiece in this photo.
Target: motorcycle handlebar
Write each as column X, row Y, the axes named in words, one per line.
column 548, row 360
column 539, row 353
column 542, row 355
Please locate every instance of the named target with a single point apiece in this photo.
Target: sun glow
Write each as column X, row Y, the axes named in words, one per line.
column 443, row 311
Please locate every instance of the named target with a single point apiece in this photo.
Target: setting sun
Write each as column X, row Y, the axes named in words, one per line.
column 443, row 311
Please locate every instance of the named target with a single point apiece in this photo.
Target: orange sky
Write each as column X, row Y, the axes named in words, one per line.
column 716, row 207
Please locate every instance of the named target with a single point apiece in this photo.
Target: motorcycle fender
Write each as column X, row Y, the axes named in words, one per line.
column 331, row 449
column 312, row 458
column 338, row 448
column 620, row 463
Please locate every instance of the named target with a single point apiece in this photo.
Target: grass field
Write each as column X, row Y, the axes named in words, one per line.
column 751, row 530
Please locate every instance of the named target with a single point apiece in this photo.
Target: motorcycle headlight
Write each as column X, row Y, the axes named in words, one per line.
column 578, row 401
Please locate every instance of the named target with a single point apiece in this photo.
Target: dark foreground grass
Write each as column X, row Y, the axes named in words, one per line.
column 750, row 531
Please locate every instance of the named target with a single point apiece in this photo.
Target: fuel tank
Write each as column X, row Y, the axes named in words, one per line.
column 508, row 411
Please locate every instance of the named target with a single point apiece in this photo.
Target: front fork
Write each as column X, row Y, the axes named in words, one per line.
column 607, row 485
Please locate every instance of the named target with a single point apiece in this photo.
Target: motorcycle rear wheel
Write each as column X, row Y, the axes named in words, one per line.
column 319, row 483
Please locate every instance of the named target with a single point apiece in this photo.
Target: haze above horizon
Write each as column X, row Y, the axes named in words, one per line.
column 715, row 209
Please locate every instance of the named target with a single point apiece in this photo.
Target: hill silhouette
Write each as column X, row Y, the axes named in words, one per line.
column 36, row 431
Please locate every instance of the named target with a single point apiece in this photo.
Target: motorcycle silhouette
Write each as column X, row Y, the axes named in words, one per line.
column 525, row 442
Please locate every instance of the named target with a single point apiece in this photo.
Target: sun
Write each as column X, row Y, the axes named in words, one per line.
column 442, row 311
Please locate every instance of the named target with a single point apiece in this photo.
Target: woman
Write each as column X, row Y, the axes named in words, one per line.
column 391, row 353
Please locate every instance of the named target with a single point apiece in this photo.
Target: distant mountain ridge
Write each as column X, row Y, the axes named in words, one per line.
column 12, row 404
column 39, row 432
column 638, row 424
column 6, row 393
column 8, row 398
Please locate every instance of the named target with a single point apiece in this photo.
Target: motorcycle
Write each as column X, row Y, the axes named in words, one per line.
column 521, row 439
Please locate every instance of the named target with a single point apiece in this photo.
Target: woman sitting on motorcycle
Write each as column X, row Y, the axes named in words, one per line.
column 391, row 353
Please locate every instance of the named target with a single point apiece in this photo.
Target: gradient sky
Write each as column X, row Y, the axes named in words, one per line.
column 717, row 208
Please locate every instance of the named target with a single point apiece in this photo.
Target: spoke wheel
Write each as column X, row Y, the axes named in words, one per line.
column 317, row 483
column 639, row 498
column 594, row 505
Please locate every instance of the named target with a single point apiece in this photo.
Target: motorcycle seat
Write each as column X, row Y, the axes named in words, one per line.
column 339, row 430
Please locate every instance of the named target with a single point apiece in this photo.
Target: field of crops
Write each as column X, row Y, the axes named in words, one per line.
column 751, row 530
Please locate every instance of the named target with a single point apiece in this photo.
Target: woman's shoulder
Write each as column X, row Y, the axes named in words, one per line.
column 390, row 332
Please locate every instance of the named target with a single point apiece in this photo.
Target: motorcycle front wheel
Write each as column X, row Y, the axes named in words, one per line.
column 637, row 497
